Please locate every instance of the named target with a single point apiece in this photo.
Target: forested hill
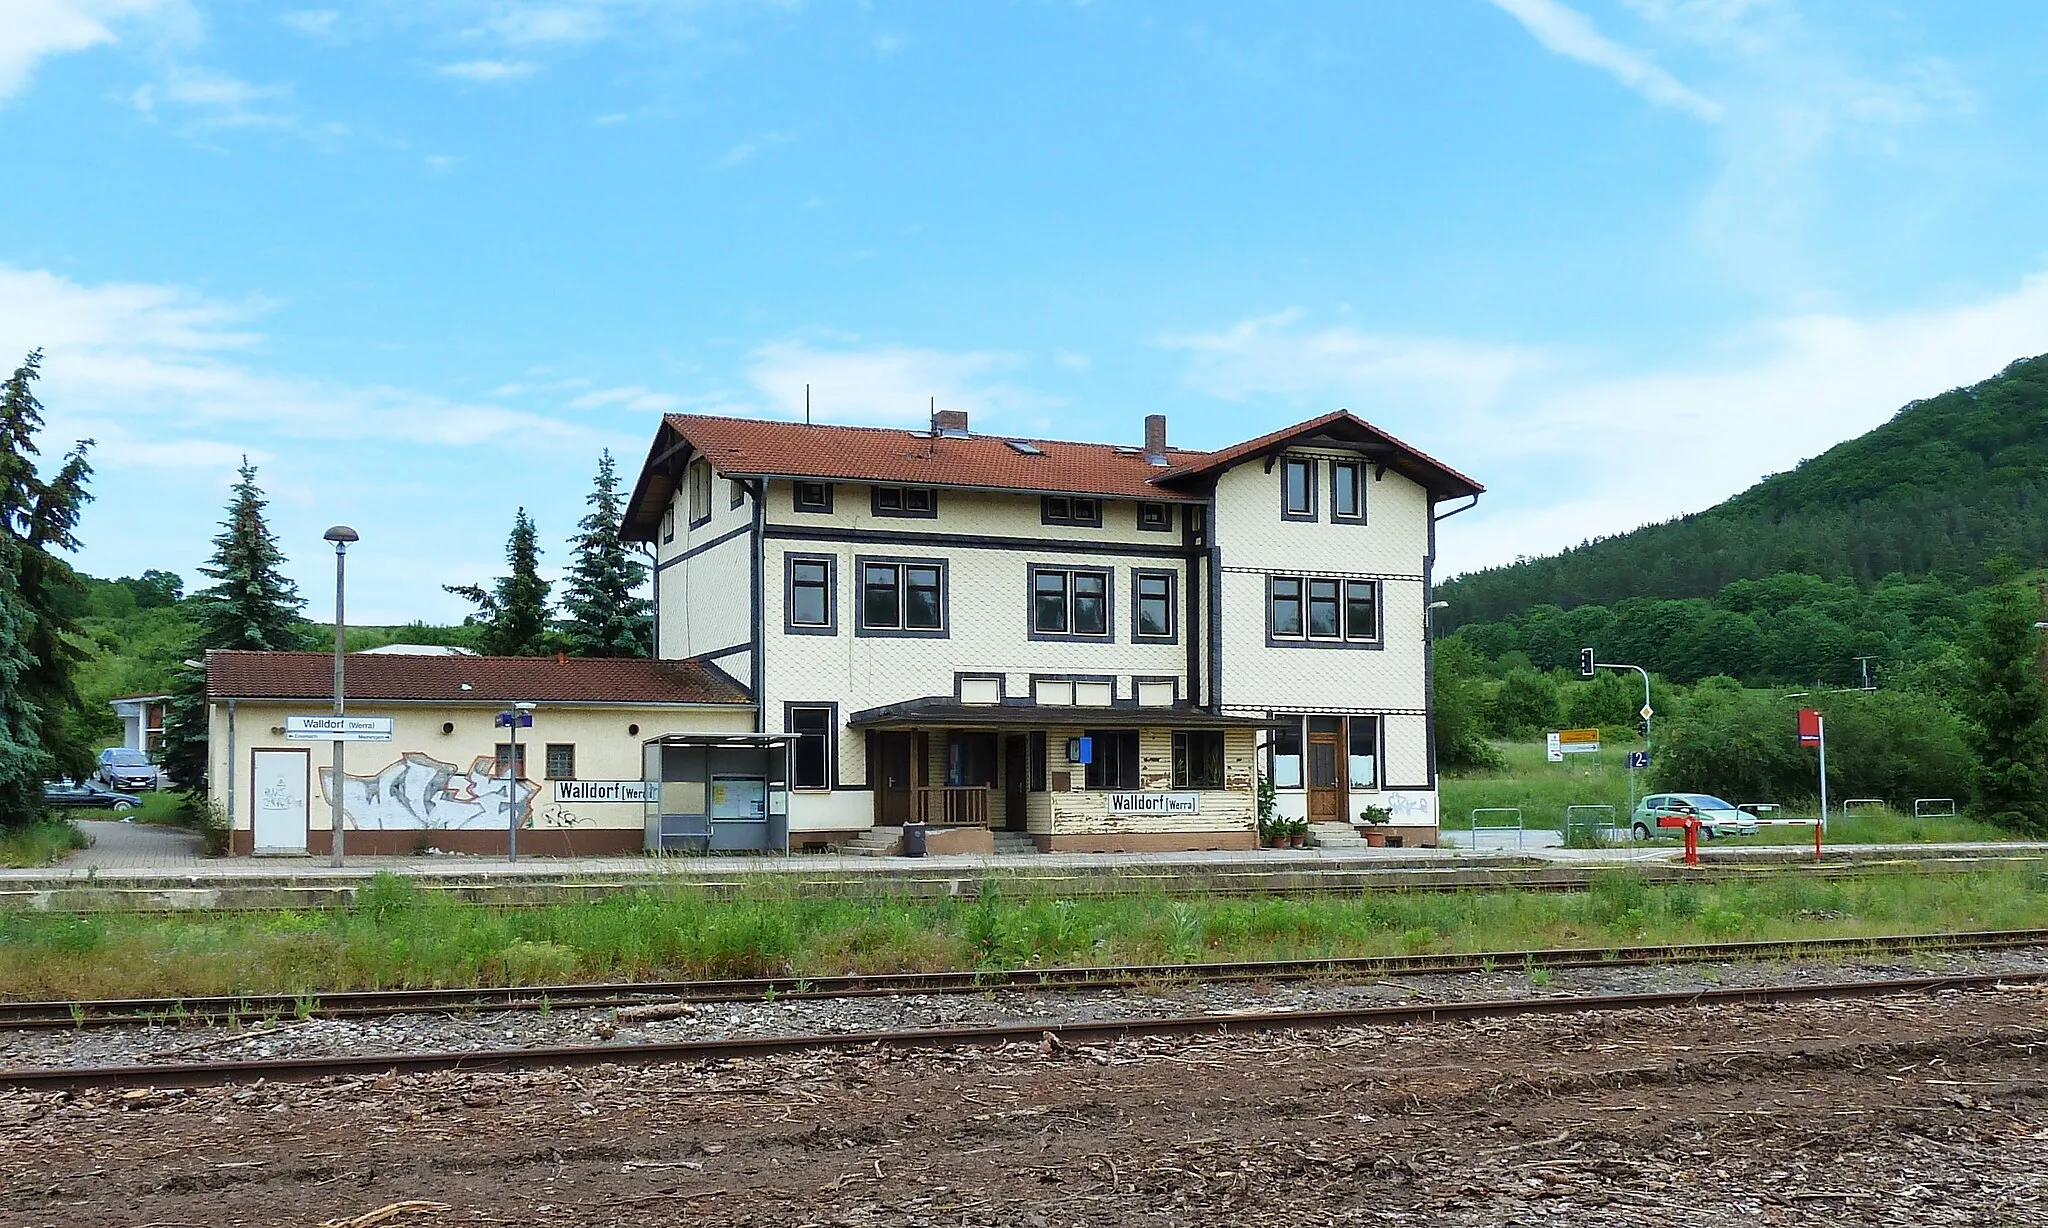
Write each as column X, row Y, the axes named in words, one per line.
column 1946, row 484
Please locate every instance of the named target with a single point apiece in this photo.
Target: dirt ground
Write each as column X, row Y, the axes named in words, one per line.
column 1910, row 1110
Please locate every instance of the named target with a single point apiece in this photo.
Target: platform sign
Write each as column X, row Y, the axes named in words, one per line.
column 1578, row 741
column 1809, row 727
column 1155, row 803
column 1638, row 759
column 1552, row 750
column 604, row 791
column 338, row 728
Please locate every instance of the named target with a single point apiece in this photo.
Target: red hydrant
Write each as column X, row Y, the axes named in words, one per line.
column 1691, row 824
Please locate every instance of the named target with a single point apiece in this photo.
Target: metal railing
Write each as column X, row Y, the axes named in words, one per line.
column 1850, row 804
column 1586, row 818
column 1924, row 808
column 1515, row 827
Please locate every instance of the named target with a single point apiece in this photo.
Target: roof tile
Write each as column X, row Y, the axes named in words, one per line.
column 310, row 676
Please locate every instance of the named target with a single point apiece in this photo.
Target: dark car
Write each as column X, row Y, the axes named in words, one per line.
column 122, row 768
column 89, row 795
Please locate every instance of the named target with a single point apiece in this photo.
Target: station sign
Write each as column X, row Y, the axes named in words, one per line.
column 1809, row 727
column 1155, row 803
column 338, row 728
column 604, row 791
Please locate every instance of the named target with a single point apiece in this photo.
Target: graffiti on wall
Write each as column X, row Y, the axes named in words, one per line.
column 419, row 792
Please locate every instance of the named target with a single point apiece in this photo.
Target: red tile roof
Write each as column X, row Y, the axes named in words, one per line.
column 310, row 676
column 1432, row 473
column 750, row 448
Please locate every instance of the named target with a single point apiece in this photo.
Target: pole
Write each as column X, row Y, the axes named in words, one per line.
column 334, row 843
column 1821, row 723
column 512, row 793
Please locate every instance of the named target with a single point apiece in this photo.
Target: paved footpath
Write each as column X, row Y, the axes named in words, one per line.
column 134, row 846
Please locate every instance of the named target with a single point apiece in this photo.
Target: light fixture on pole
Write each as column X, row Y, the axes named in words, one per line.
column 520, row 717
column 341, row 535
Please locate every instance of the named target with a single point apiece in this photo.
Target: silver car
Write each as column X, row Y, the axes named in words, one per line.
column 122, row 768
column 1716, row 817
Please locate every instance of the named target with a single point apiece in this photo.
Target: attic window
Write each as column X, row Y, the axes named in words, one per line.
column 1025, row 446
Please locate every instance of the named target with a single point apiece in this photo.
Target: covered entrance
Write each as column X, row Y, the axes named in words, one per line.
column 1325, row 776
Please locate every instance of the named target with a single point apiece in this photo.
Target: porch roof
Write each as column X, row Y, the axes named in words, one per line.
column 945, row 710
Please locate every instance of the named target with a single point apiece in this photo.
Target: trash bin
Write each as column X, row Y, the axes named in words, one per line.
column 913, row 839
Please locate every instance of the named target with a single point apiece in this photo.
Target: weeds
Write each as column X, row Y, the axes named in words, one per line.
column 40, row 844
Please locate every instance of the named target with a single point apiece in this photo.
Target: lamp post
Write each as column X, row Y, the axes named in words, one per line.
column 520, row 715
column 341, row 535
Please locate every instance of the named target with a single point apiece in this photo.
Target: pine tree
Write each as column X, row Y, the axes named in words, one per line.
column 607, row 615
column 251, row 605
column 2009, row 709
column 22, row 761
column 513, row 612
column 38, row 518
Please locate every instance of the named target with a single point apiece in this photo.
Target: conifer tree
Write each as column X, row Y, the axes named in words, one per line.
column 251, row 605
column 513, row 612
column 22, row 761
column 607, row 616
column 2009, row 707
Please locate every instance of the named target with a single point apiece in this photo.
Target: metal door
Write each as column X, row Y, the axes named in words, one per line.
column 279, row 782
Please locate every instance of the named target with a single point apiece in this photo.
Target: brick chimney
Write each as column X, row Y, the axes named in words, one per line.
column 1155, row 439
column 951, row 423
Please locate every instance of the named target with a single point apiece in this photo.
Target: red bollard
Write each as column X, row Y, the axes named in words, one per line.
column 1692, row 834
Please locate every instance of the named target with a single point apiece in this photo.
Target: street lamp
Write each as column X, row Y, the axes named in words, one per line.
column 341, row 535
column 520, row 716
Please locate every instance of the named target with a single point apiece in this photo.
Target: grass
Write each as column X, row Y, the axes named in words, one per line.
column 159, row 806
column 397, row 937
column 39, row 844
column 1540, row 788
column 1883, row 825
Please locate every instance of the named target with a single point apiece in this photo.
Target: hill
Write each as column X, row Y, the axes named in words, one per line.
column 1946, row 484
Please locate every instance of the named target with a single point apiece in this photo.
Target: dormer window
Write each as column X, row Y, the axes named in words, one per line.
column 1070, row 509
column 906, row 501
column 1155, row 517
column 811, row 496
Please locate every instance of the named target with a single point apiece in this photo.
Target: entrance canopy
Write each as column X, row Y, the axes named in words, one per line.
column 945, row 710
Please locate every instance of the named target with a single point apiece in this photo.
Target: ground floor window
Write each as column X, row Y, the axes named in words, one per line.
column 503, row 752
column 1114, row 764
column 561, row 761
column 970, row 759
column 1198, row 759
column 810, row 754
column 1039, row 784
column 1365, row 752
column 1283, row 757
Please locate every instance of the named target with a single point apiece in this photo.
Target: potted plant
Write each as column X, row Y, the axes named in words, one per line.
column 1297, row 834
column 1375, row 819
column 1272, row 829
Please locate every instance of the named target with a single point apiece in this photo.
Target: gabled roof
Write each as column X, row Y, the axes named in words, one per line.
column 1339, row 426
column 369, row 677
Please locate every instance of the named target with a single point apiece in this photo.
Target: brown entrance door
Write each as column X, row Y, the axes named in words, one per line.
column 1016, row 779
column 1325, row 786
column 895, row 778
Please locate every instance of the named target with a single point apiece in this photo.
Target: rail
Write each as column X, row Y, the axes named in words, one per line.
column 1853, row 803
column 1924, row 808
column 1586, row 818
column 952, row 805
column 1515, row 826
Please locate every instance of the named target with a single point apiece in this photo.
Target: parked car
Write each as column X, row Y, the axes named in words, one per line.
column 87, row 795
column 1717, row 818
column 122, row 768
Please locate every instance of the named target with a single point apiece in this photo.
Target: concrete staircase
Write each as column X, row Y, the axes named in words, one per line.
column 1337, row 837
column 875, row 842
column 1013, row 844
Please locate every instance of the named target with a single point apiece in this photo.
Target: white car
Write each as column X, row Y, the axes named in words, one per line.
column 1716, row 817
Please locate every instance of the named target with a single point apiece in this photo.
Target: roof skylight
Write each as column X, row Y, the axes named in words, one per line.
column 1025, row 446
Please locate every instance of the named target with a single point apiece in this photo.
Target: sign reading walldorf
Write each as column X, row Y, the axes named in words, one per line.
column 338, row 728
column 603, row 791
column 1155, row 803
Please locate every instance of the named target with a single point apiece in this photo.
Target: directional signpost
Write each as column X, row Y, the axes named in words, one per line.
column 337, row 728
column 1589, row 666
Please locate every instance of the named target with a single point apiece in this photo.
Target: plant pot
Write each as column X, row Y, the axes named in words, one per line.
column 1375, row 838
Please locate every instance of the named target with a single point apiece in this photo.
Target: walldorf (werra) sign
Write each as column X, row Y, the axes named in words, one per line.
column 603, row 791
column 1155, row 803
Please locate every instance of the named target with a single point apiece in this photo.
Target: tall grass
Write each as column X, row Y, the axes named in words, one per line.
column 1541, row 789
column 1883, row 825
column 397, row 936
column 39, row 844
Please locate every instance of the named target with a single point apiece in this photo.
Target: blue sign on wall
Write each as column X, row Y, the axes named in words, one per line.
column 1082, row 750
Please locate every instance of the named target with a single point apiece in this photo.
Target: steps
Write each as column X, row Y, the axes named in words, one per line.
column 875, row 842
column 1013, row 844
column 1337, row 837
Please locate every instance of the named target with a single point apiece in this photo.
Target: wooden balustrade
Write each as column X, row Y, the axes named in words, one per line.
column 952, row 805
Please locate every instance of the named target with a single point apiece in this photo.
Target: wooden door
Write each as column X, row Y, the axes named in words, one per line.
column 895, row 777
column 1325, row 782
column 1016, row 780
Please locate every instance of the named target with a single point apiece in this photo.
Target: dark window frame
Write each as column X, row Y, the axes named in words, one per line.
column 983, row 739
column 1165, row 511
column 1071, row 515
column 1070, row 570
column 790, row 626
column 828, row 740
column 797, row 502
column 1184, row 759
column 1128, row 761
column 738, row 494
column 548, row 761
column 1352, row 724
column 690, row 488
column 500, row 750
column 1138, row 577
column 1041, row 769
column 862, row 628
column 1308, row 486
column 1357, row 469
column 668, row 525
column 1305, row 637
column 1299, row 754
column 903, row 494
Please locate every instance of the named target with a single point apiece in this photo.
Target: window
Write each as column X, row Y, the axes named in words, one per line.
column 1283, row 757
column 1198, row 759
column 668, row 525
column 1067, row 509
column 1198, row 526
column 1365, row 752
column 970, row 759
column 1298, row 488
column 809, row 603
column 811, row 496
column 1154, row 606
column 810, row 754
column 737, row 491
column 1155, row 517
column 700, row 493
column 905, row 501
column 501, row 752
column 1322, row 610
column 1115, row 765
column 561, row 760
column 906, row 597
column 1069, row 602
column 1347, row 491
column 1038, row 764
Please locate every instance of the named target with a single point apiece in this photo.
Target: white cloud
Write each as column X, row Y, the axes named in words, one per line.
column 33, row 30
column 1571, row 34
column 211, row 100
column 488, row 70
column 634, row 398
column 888, row 384
column 746, row 150
column 315, row 23
column 552, row 23
column 440, row 163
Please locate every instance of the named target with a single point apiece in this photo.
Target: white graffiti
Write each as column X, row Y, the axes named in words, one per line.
column 419, row 791
column 1411, row 807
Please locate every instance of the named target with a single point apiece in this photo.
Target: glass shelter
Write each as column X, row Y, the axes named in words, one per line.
column 717, row 793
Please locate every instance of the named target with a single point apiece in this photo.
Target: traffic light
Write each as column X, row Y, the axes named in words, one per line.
column 1585, row 663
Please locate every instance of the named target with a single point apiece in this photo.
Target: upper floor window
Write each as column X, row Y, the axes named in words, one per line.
column 1069, row 601
column 668, row 525
column 1319, row 610
column 1068, row 509
column 736, row 492
column 1198, row 526
column 1347, row 491
column 905, row 597
column 1155, row 517
column 699, row 481
column 1298, row 488
column 1198, row 759
column 906, row 501
column 811, row 496
column 1154, row 602
column 809, row 600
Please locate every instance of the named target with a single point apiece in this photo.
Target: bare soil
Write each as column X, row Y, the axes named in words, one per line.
column 1911, row 1110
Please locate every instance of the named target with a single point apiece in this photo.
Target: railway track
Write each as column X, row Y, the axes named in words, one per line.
column 202, row 1011
column 203, row 1074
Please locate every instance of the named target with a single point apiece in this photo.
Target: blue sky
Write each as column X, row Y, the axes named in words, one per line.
column 421, row 261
